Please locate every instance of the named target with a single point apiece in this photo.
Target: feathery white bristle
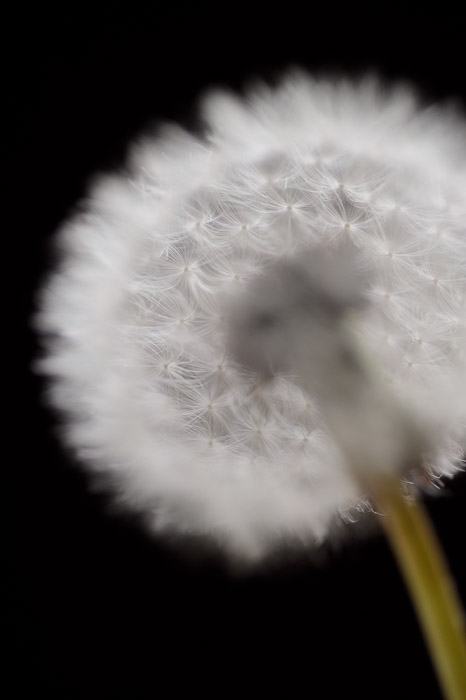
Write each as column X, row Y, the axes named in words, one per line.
column 137, row 342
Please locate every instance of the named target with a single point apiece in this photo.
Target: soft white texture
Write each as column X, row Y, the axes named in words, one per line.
column 136, row 344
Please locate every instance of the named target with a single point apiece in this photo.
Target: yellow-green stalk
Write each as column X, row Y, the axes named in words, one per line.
column 421, row 560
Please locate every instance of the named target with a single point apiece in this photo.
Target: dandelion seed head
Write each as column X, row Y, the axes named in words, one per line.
column 159, row 394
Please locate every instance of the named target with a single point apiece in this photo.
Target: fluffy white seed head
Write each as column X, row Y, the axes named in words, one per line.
column 158, row 394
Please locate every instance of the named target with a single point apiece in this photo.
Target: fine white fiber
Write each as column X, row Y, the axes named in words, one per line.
column 135, row 325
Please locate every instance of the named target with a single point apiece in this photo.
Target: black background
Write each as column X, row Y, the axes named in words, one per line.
column 96, row 608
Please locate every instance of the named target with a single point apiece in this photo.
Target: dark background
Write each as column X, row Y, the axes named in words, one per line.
column 94, row 607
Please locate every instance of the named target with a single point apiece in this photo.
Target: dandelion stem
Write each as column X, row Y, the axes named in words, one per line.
column 420, row 557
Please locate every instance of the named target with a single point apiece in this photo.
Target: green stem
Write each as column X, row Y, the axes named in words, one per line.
column 420, row 557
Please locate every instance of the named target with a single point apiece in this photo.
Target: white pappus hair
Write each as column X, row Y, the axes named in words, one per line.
column 137, row 342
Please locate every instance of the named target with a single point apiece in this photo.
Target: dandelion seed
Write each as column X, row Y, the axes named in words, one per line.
column 137, row 341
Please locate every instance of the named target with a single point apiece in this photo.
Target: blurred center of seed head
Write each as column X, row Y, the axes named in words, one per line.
column 296, row 309
column 294, row 320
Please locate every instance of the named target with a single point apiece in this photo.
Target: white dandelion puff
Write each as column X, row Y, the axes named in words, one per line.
column 156, row 394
